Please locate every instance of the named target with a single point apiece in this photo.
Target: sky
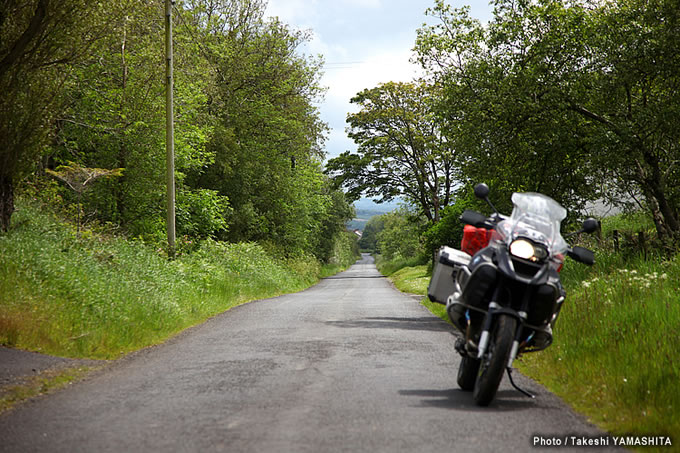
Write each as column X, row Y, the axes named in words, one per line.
column 364, row 43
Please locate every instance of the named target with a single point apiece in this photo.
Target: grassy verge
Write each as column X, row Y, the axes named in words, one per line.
column 389, row 267
column 99, row 297
column 413, row 280
column 615, row 356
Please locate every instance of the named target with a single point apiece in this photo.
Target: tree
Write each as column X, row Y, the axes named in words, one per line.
column 401, row 149
column 37, row 39
column 501, row 105
column 565, row 97
column 115, row 118
column 338, row 212
column 630, row 94
column 268, row 137
column 248, row 135
column 369, row 238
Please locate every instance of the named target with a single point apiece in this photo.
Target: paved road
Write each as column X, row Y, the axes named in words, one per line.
column 348, row 365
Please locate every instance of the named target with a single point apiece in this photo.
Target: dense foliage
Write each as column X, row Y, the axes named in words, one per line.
column 38, row 40
column 248, row 136
column 577, row 99
column 400, row 236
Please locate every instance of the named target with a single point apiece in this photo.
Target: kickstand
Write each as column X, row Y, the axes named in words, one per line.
column 524, row 392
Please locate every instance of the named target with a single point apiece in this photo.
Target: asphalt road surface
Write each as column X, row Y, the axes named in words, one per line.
column 348, row 365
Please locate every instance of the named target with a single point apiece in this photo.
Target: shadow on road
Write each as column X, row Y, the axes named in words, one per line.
column 506, row 400
column 424, row 323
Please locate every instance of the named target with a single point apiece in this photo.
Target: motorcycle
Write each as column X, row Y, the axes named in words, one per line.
column 502, row 291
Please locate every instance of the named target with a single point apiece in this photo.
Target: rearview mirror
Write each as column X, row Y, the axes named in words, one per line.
column 590, row 225
column 481, row 191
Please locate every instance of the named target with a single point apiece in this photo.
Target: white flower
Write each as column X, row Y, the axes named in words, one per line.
column 586, row 284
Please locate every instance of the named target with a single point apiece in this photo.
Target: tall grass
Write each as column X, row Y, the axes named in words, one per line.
column 615, row 355
column 98, row 297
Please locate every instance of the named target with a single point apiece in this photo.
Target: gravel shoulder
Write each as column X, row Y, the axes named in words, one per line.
column 18, row 366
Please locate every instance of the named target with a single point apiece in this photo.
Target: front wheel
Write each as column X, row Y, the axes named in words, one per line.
column 495, row 360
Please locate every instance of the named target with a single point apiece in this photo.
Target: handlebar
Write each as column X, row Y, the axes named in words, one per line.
column 478, row 220
column 474, row 218
column 582, row 255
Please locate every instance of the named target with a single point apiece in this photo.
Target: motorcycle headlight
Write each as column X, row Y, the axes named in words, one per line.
column 521, row 248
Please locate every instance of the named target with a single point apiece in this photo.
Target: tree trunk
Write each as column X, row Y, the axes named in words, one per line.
column 661, row 229
column 6, row 201
column 665, row 217
column 666, row 209
column 657, row 187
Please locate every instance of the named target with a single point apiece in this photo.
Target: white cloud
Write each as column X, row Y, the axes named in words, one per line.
column 338, row 142
column 362, row 3
column 363, row 42
column 300, row 13
column 346, row 81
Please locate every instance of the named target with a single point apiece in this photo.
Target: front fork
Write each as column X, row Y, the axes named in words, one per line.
column 496, row 309
column 488, row 320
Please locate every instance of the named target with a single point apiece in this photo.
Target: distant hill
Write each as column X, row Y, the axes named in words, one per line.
column 367, row 208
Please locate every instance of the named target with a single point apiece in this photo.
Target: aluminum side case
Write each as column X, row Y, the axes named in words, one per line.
column 446, row 265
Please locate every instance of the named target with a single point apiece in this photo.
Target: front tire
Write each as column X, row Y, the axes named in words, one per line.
column 467, row 373
column 495, row 360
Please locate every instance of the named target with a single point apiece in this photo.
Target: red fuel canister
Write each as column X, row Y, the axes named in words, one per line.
column 474, row 239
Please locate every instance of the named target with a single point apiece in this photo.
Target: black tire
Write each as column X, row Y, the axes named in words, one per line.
column 495, row 360
column 467, row 373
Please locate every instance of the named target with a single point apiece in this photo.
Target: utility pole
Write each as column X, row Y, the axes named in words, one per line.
column 169, row 130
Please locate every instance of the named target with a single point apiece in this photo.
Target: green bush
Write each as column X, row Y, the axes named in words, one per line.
column 400, row 236
column 201, row 213
column 449, row 230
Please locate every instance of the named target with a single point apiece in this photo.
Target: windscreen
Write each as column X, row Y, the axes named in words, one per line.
column 536, row 217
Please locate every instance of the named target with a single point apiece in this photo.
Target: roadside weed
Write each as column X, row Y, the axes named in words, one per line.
column 100, row 297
